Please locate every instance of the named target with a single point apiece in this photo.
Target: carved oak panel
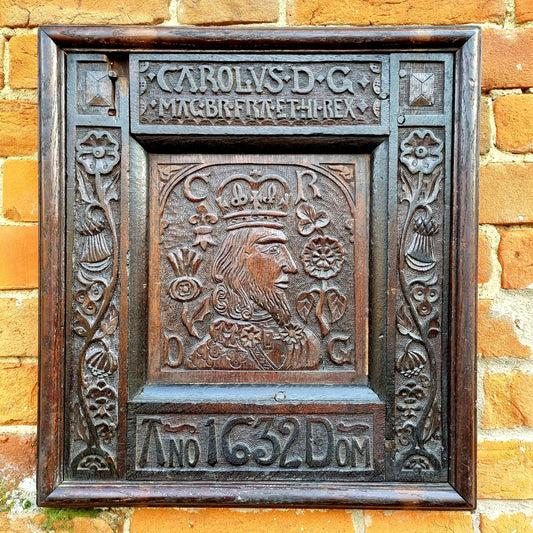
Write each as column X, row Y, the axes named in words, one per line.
column 261, row 254
column 262, row 262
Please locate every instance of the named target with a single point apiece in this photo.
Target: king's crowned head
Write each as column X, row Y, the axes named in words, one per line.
column 253, row 200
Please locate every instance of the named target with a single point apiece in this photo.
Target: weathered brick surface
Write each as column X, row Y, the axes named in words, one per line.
column 18, row 455
column 485, row 126
column 524, row 10
column 14, row 524
column 19, row 253
column 20, row 190
column 227, row 11
column 517, row 523
column 508, row 400
column 20, row 13
column 371, row 12
column 513, row 115
column 209, row 520
column 18, row 327
column 416, row 522
column 496, row 335
column 507, row 58
column 18, row 128
column 2, row 46
column 18, row 394
column 484, row 269
column 505, row 192
column 505, row 470
column 23, row 62
column 82, row 524
column 515, row 254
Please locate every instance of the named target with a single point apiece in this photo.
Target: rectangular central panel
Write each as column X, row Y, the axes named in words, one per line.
column 258, row 268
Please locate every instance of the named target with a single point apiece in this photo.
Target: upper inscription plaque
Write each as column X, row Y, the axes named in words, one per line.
column 312, row 92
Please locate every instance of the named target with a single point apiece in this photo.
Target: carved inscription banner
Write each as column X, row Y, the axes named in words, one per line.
column 260, row 248
column 271, row 91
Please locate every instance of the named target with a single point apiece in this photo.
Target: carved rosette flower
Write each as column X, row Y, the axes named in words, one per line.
column 421, row 152
column 185, row 289
column 250, row 336
column 292, row 334
column 323, row 257
column 97, row 152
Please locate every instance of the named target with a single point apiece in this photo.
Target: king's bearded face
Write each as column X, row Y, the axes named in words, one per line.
column 254, row 263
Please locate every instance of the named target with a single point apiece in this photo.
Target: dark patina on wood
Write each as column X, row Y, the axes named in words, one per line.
column 258, row 257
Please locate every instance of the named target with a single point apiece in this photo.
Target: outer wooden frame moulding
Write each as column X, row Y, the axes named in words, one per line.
column 381, row 415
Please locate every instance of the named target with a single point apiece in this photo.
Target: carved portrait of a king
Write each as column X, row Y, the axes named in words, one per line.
column 254, row 328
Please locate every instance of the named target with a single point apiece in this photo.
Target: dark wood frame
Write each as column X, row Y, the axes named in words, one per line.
column 459, row 491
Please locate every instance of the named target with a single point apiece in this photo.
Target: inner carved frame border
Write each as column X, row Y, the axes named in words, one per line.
column 445, row 172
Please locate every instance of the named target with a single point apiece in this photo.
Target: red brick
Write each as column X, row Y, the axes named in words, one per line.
column 505, row 192
column 20, row 13
column 516, row 257
column 19, row 253
column 514, row 523
column 496, row 336
column 209, row 520
column 18, row 456
column 2, row 46
column 14, row 524
column 227, row 11
column 514, row 123
column 485, row 126
column 523, row 10
column 23, row 62
column 507, row 58
column 505, row 470
column 417, row 522
column 18, row 394
column 18, row 127
column 484, row 266
column 20, row 190
column 508, row 400
column 371, row 12
column 18, row 327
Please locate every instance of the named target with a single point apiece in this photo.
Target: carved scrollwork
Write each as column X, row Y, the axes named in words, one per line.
column 95, row 313
column 417, row 401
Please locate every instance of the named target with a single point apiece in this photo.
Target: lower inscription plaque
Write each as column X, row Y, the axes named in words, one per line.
column 260, row 446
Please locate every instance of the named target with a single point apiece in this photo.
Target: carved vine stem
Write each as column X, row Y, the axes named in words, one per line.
column 417, row 203
column 421, row 155
column 108, row 295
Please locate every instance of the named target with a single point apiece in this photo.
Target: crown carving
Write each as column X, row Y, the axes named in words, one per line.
column 253, row 200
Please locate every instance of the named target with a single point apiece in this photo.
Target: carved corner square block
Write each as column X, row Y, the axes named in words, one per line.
column 258, row 253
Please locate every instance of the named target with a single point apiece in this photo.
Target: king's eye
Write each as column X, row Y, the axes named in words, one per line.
column 272, row 249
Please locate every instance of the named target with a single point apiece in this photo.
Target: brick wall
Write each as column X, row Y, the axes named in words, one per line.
column 505, row 451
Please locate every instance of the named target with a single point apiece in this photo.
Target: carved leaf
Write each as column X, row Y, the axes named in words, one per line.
column 197, row 316
column 80, row 430
column 403, row 321
column 433, row 188
column 432, row 425
column 81, row 324
column 336, row 304
column 111, row 192
column 304, row 304
column 407, row 186
column 85, row 193
column 110, row 322
column 434, row 328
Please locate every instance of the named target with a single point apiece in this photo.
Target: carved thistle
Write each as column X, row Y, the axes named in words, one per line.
column 95, row 315
column 420, row 309
column 257, row 267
